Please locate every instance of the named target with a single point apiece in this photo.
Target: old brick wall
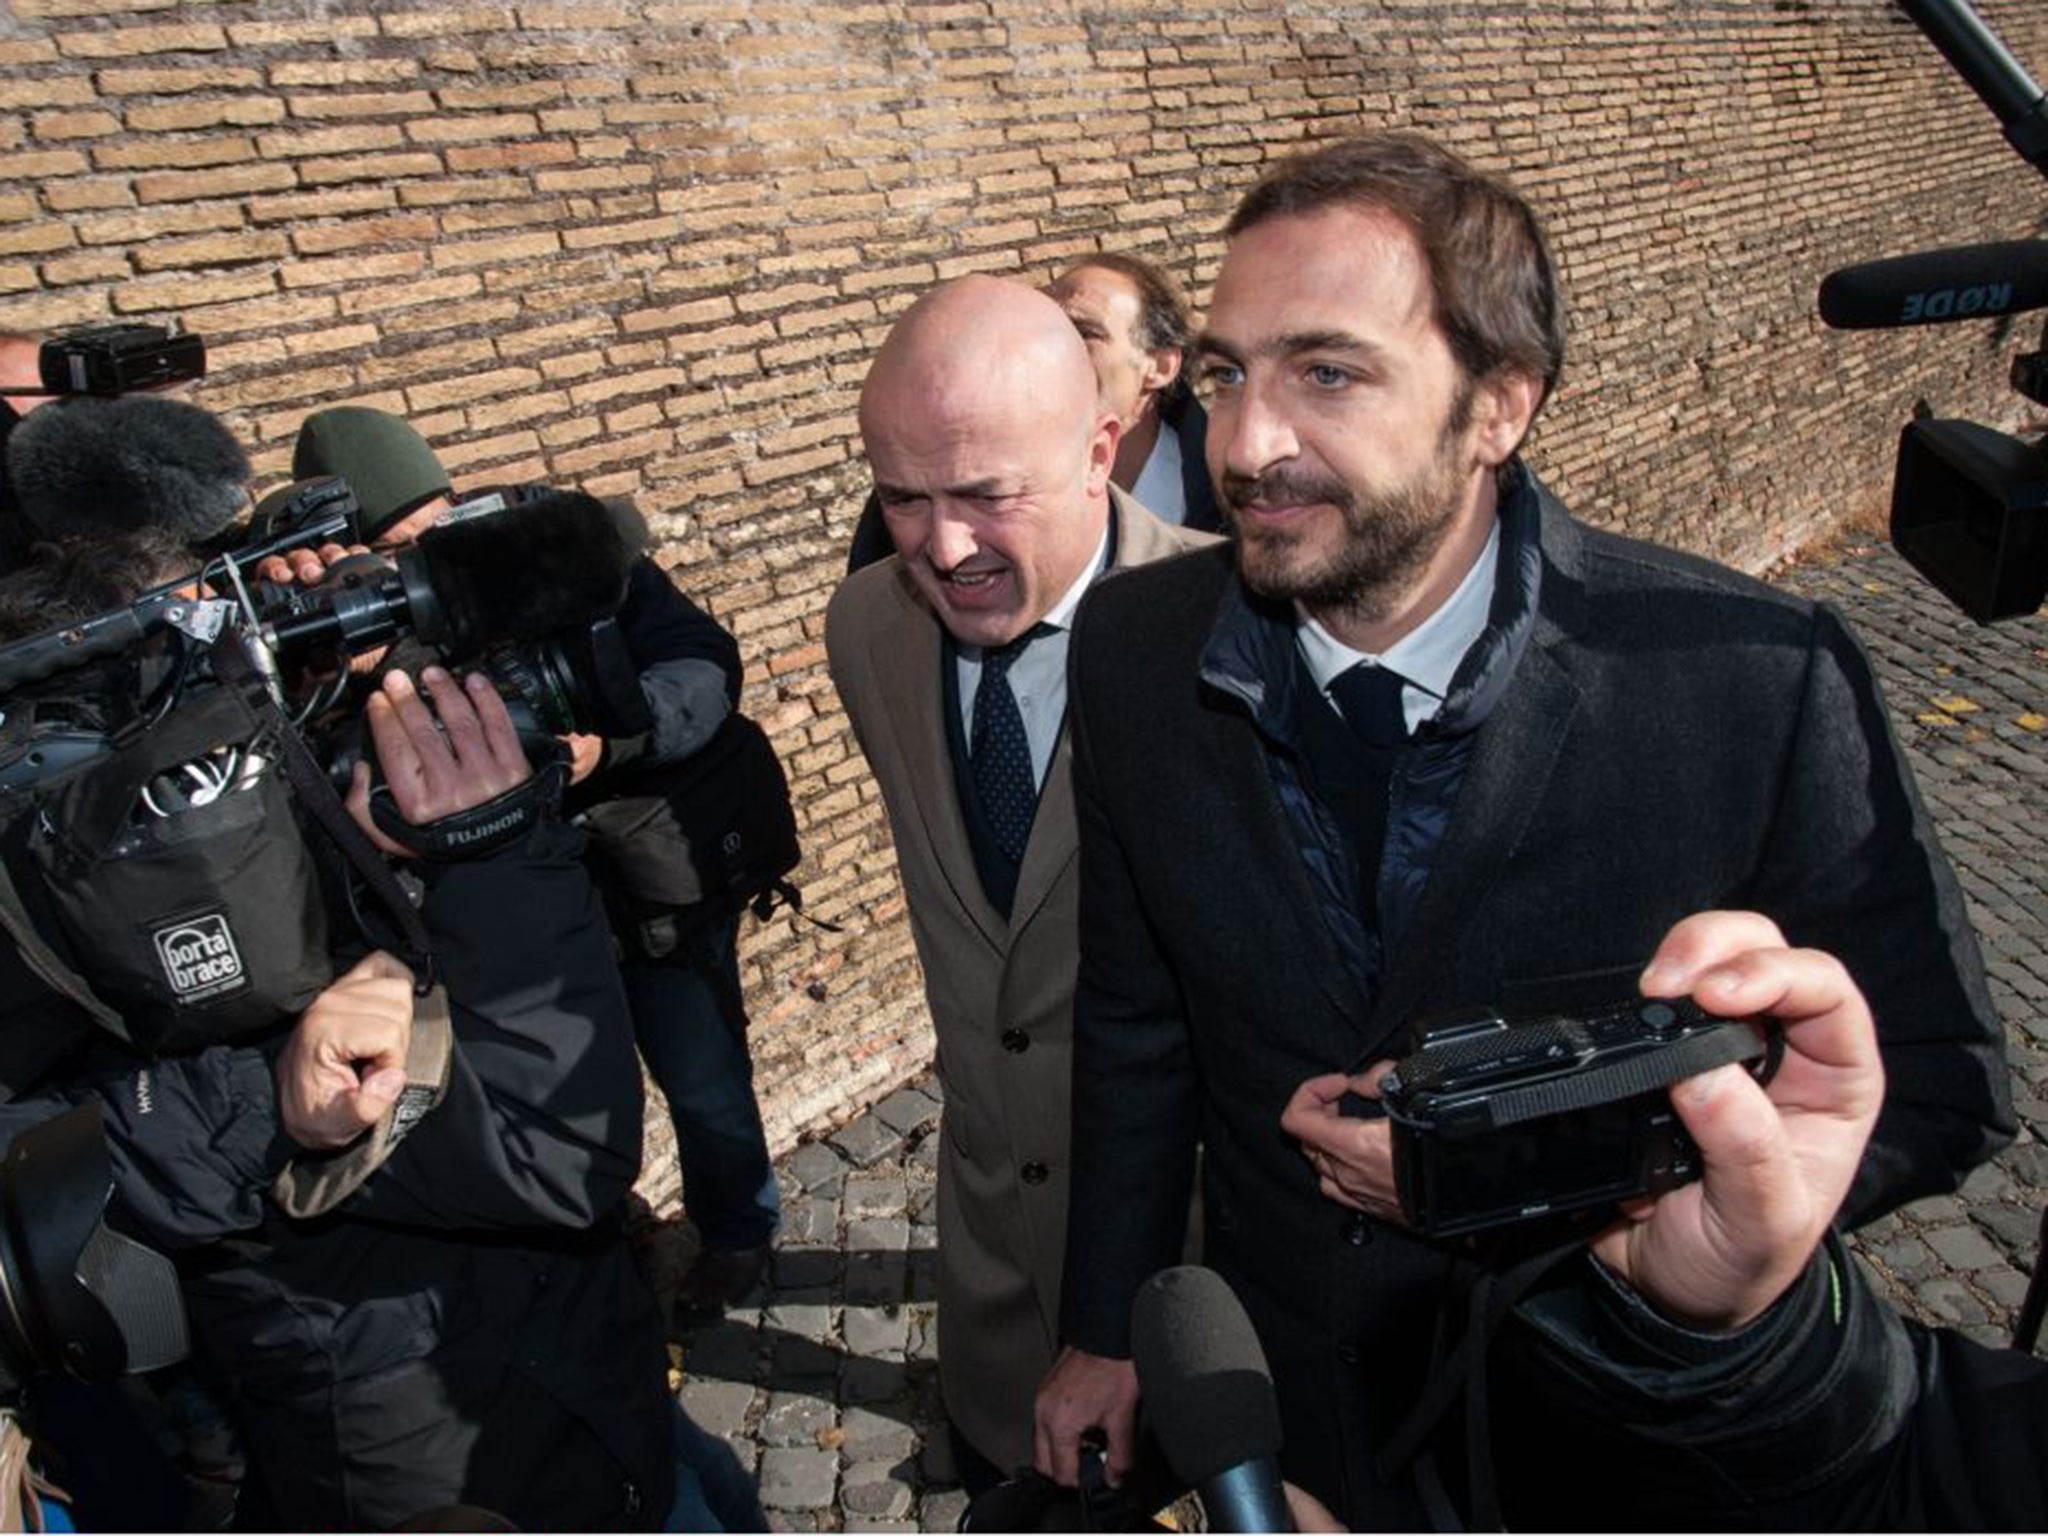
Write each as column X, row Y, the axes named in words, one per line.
column 647, row 246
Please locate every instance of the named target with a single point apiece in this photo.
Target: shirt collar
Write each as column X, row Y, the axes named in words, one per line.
column 1061, row 615
column 1428, row 655
column 1158, row 488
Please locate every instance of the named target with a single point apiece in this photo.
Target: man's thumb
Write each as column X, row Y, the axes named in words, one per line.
column 384, row 1085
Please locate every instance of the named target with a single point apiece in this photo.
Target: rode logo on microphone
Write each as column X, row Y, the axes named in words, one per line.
column 1953, row 303
column 199, row 957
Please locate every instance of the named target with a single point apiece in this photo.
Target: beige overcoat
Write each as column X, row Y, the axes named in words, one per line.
column 1001, row 996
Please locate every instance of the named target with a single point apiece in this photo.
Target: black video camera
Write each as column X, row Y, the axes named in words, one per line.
column 1501, row 1121
column 156, row 820
column 118, row 359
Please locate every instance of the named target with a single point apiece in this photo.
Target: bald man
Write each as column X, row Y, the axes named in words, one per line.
column 992, row 459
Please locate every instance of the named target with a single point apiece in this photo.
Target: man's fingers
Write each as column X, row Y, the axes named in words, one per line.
column 378, row 964
column 1314, row 1102
column 500, row 735
column 1702, row 940
column 435, row 762
column 359, row 810
column 465, row 733
column 1368, row 1082
column 393, row 745
column 1731, row 1121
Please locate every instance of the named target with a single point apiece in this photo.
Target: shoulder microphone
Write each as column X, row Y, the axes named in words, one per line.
column 1966, row 282
column 558, row 562
column 1209, row 1397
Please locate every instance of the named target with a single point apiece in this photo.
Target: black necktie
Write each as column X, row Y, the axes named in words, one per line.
column 1000, row 751
column 1369, row 699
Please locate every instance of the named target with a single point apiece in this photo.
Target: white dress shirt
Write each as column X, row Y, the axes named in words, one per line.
column 1428, row 655
column 1160, row 488
column 1038, row 677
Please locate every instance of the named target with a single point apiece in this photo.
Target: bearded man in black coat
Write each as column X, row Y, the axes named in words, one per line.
column 1417, row 741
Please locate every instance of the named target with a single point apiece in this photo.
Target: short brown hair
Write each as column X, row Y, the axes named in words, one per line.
column 1164, row 319
column 1490, row 269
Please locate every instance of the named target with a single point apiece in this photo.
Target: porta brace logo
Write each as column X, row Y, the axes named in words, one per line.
column 199, row 957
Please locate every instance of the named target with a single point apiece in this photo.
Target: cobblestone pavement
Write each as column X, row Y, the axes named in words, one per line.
column 825, row 1383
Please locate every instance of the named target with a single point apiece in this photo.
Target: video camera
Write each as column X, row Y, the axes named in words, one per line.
column 464, row 589
column 1969, row 504
column 1499, row 1121
column 156, row 832
column 117, row 359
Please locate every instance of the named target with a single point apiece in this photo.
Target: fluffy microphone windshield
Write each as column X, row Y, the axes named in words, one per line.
column 91, row 465
column 556, row 563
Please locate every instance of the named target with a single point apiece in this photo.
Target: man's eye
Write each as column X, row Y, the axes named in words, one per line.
column 902, row 506
column 1327, row 376
column 1220, row 376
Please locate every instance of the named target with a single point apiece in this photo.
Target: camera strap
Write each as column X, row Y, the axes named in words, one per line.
column 314, row 1184
column 1460, row 1369
column 1681, row 1059
column 317, row 796
column 481, row 829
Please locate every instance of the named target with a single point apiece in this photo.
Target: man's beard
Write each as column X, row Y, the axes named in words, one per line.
column 1389, row 536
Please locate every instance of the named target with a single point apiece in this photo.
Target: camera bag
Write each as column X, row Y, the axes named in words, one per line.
column 201, row 924
column 676, row 845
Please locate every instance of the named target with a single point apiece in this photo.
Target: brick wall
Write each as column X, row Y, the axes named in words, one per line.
column 646, row 247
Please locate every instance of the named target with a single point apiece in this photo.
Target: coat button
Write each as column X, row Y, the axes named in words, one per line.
column 1016, row 1040
column 1358, row 1230
column 1033, row 1173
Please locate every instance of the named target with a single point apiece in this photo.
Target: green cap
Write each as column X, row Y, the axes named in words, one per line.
column 386, row 463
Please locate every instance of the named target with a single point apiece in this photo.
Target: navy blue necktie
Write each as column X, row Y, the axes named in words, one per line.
column 1001, row 753
column 1369, row 699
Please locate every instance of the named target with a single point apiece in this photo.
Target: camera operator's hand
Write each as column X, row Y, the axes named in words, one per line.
column 434, row 770
column 305, row 567
column 1084, row 1392
column 344, row 1064
column 586, row 755
column 1779, row 1159
column 1353, row 1159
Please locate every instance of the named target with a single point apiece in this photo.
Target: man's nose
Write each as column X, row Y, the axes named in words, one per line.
column 952, row 542
column 1255, row 430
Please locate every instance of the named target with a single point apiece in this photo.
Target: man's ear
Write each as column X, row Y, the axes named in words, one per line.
column 1162, row 367
column 1503, row 409
column 1102, row 451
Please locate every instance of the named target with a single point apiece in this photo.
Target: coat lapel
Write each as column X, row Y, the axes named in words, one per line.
column 907, row 662
column 1055, row 838
column 1513, row 758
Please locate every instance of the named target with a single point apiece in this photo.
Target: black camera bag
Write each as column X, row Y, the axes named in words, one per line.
column 682, row 844
column 196, row 927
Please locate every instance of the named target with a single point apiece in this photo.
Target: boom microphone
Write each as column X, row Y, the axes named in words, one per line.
column 1966, row 282
column 1209, row 1397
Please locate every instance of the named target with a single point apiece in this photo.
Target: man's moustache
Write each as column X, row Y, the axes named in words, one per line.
column 1281, row 489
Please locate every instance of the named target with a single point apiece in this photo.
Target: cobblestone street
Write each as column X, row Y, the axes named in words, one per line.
column 825, row 1381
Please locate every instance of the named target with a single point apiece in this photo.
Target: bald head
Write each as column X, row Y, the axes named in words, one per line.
column 990, row 452
column 980, row 344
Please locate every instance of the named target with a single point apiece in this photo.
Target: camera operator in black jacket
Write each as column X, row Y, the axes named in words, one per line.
column 469, row 1325
column 689, row 1015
